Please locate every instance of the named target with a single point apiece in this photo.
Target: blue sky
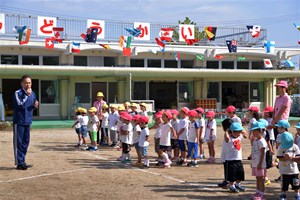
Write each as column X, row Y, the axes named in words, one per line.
column 277, row 16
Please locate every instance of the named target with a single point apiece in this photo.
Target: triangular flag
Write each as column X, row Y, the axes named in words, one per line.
column 75, row 47
column 166, row 34
column 91, row 35
column 134, row 31
column 161, row 44
column 126, row 52
column 58, row 34
column 177, row 56
column 268, row 63
column 219, row 57
column 289, row 64
column 121, row 41
column 254, row 30
column 269, row 46
column 210, row 32
column 48, row 43
column 191, row 41
column 297, row 26
column 23, row 34
column 232, row 45
column 128, row 42
column 105, row 46
column 199, row 56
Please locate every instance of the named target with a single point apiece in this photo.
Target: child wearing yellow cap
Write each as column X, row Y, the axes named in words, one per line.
column 93, row 128
column 77, row 126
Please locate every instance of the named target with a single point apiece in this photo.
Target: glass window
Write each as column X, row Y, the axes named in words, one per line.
column 170, row 63
column 242, row 65
column 139, row 90
column 186, row 92
column 137, row 63
column 80, row 60
column 109, row 61
column 50, row 60
column 212, row 64
column 10, row 59
column 82, row 92
column 258, row 65
column 112, row 92
column 50, row 91
column 154, row 63
column 30, row 60
column 256, row 91
column 213, row 90
column 227, row 65
column 187, row 63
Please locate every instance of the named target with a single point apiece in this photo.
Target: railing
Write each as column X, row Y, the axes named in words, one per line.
column 114, row 29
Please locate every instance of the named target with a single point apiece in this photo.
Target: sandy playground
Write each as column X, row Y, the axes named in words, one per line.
column 61, row 171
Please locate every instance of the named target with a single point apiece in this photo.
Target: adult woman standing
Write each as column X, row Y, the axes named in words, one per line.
column 98, row 104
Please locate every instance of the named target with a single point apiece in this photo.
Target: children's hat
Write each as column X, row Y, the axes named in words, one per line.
column 143, row 119
column 120, row 108
column 174, row 112
column 100, row 94
column 134, row 105
column 283, row 124
column 105, row 106
column 136, row 117
column 264, row 122
column 298, row 125
column 158, row 116
column 287, row 140
column 282, row 83
column 235, row 126
column 253, row 109
column 192, row 113
column 143, row 104
column 113, row 106
column 257, row 125
column 168, row 114
column 268, row 109
column 200, row 110
column 210, row 113
column 83, row 110
column 93, row 109
column 185, row 110
column 127, row 103
column 230, row 109
column 126, row 116
column 78, row 109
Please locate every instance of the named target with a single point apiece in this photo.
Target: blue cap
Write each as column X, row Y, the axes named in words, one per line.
column 298, row 125
column 235, row 126
column 283, row 124
column 257, row 125
column 264, row 122
column 287, row 140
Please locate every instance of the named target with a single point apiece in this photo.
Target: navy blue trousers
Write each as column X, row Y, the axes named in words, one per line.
column 21, row 134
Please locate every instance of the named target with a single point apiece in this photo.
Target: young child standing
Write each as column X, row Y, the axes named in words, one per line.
column 193, row 138
column 126, row 133
column 83, row 120
column 104, row 125
column 93, row 128
column 136, row 138
column 258, row 162
column 288, row 154
column 133, row 109
column 253, row 113
column 113, row 120
column 182, row 134
column 211, row 135
column 174, row 138
column 77, row 126
column 143, row 107
column 157, row 135
column 144, row 140
column 201, row 123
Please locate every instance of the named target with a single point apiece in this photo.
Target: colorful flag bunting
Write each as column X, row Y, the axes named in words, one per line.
column 135, row 32
column 23, row 34
column 75, row 47
column 269, row 46
column 191, row 41
column 161, row 44
column 91, row 35
column 199, row 56
column 105, row 46
column 232, row 45
column 177, row 56
column 126, row 52
column 166, row 34
column 58, row 34
column 268, row 63
column 254, row 30
column 210, row 32
column 48, row 43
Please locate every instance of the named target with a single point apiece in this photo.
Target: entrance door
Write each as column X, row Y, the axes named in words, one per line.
column 236, row 94
column 99, row 87
column 164, row 94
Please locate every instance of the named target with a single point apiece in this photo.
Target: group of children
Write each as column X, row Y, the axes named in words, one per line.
column 180, row 136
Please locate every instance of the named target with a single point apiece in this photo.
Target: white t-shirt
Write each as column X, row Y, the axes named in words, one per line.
column 144, row 113
column 288, row 167
column 78, row 125
column 144, row 134
column 210, row 125
column 183, row 124
column 193, row 128
column 252, row 120
column 256, row 153
column 234, row 148
column 174, row 123
column 104, row 123
column 83, row 120
column 112, row 120
column 297, row 140
column 93, row 123
column 201, row 123
column 165, row 136
column 270, row 131
column 127, row 138
column 157, row 132
column 136, row 136
column 278, row 139
column 236, row 119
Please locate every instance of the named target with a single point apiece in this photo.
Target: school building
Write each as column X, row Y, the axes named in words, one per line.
column 63, row 80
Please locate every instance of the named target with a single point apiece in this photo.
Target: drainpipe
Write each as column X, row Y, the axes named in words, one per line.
column 68, row 101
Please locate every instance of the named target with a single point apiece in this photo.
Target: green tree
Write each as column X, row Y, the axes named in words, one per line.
column 198, row 34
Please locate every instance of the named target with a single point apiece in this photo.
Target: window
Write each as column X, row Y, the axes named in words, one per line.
column 212, row 64
column 10, row 59
column 227, row 65
column 257, row 65
column 139, row 90
column 82, row 92
column 186, row 92
column 256, row 91
column 213, row 90
column 50, row 91
column 50, row 60
column 112, row 92
column 80, row 60
column 170, row 64
column 242, row 65
column 109, row 61
column 187, row 63
column 137, row 63
column 30, row 60
column 154, row 63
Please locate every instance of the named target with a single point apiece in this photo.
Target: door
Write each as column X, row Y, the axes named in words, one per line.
column 164, row 94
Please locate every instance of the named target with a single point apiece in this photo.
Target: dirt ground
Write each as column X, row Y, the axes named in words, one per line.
column 61, row 171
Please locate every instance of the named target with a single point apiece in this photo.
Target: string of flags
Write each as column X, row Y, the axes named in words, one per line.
column 298, row 28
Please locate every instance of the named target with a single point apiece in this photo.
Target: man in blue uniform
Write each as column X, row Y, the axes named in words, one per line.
column 24, row 103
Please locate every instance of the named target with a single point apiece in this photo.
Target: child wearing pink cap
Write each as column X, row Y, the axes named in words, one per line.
column 126, row 133
column 201, row 122
column 136, row 138
column 157, row 134
column 211, row 135
column 174, row 139
column 253, row 113
column 182, row 135
column 193, row 138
